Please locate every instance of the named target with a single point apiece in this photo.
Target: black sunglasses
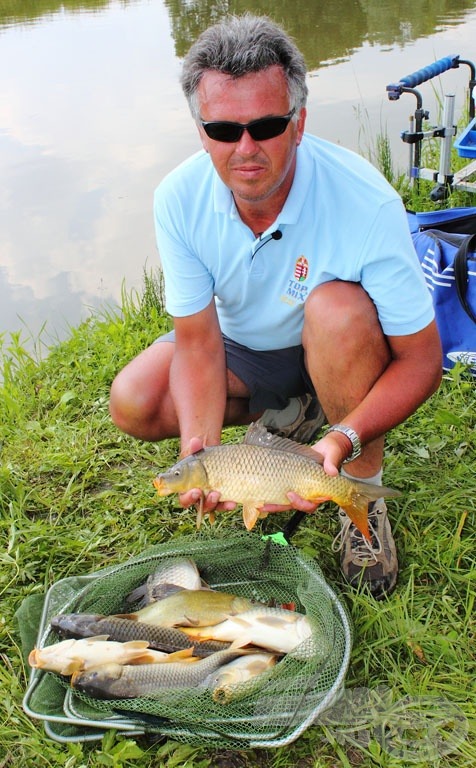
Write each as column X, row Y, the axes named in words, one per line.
column 259, row 130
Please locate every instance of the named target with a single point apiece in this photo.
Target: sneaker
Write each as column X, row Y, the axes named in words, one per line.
column 373, row 563
column 300, row 420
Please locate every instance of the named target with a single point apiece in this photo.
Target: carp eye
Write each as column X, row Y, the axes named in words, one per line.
column 177, row 473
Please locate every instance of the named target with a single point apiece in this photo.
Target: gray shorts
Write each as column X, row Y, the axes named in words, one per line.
column 272, row 377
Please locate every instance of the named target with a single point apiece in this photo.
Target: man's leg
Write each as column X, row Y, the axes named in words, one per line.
column 141, row 403
column 345, row 353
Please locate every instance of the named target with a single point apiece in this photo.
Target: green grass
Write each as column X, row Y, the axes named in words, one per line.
column 76, row 495
column 376, row 147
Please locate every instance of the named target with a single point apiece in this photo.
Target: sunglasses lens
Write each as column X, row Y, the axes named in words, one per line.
column 268, row 128
column 228, row 132
column 259, row 130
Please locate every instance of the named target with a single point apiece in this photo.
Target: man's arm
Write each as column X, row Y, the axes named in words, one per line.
column 198, row 387
column 198, row 377
column 413, row 374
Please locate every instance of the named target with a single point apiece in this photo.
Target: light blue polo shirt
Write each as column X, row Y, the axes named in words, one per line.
column 341, row 220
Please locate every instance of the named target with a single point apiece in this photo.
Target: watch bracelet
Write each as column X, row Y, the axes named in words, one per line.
column 353, row 437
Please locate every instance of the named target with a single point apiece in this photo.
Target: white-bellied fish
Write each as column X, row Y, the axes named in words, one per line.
column 274, row 629
column 115, row 681
column 71, row 655
column 168, row 639
column 227, row 682
column 172, row 572
column 191, row 608
column 263, row 469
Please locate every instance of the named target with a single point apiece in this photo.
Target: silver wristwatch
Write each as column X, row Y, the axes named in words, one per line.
column 353, row 437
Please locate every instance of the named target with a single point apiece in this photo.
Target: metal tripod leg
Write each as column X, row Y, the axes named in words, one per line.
column 445, row 177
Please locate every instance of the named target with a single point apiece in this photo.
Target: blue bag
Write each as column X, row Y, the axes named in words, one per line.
column 445, row 242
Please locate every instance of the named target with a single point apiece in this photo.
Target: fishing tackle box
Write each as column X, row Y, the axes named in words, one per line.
column 271, row 711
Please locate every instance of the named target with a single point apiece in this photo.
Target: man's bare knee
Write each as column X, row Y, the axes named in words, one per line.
column 138, row 393
column 338, row 308
column 345, row 348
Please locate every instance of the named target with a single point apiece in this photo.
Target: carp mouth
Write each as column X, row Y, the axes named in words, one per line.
column 160, row 486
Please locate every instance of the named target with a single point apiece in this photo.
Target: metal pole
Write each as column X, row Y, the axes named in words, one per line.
column 411, row 171
column 447, row 140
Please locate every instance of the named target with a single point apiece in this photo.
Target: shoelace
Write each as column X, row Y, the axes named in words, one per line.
column 362, row 549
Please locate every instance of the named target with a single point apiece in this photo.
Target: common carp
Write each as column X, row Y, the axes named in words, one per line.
column 114, row 681
column 262, row 470
column 166, row 639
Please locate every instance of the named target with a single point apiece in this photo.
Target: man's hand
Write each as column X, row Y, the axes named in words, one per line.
column 331, row 449
column 210, row 502
column 334, row 448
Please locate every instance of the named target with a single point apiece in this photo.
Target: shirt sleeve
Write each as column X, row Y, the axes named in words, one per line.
column 392, row 276
column 188, row 282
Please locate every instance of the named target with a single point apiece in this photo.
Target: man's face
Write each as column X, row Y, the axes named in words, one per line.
column 255, row 171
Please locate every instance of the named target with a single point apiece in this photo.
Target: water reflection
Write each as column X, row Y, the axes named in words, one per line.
column 92, row 118
column 325, row 31
column 31, row 11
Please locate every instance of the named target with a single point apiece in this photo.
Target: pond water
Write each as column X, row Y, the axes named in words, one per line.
column 92, row 117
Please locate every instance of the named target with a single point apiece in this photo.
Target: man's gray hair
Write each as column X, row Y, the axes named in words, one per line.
column 240, row 45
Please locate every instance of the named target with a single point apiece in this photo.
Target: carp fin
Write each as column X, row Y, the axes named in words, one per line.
column 241, row 642
column 191, row 621
column 358, row 511
column 358, row 506
column 251, row 513
column 257, row 434
column 200, row 513
column 319, row 499
column 202, row 637
column 74, row 666
column 136, row 644
column 238, row 619
column 374, row 492
column 184, row 655
column 137, row 594
column 145, row 656
column 161, row 591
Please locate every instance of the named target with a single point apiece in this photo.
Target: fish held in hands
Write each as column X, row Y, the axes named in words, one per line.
column 191, row 608
column 72, row 655
column 263, row 469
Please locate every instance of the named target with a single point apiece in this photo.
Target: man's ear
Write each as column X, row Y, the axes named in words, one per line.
column 301, row 124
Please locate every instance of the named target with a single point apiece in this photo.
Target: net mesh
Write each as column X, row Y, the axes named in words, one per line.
column 273, row 708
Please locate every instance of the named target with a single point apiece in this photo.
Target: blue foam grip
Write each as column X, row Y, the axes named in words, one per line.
column 432, row 70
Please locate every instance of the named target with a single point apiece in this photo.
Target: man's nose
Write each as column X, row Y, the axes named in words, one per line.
column 247, row 145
